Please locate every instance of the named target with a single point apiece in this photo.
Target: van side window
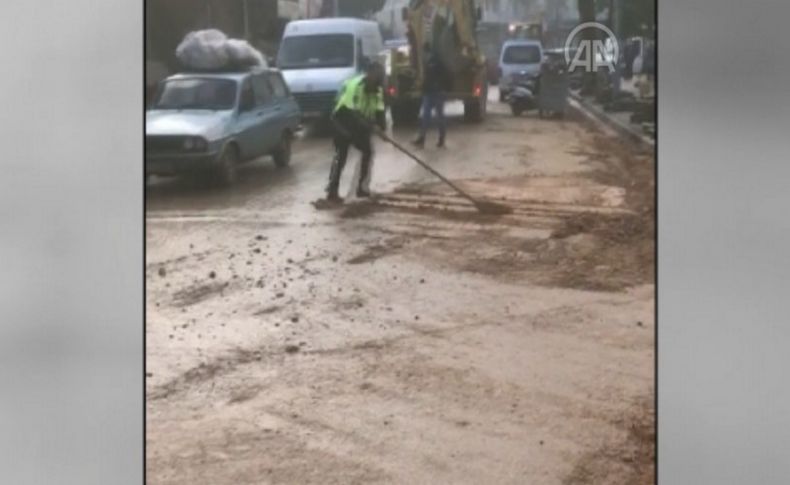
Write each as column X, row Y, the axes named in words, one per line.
column 263, row 93
column 278, row 86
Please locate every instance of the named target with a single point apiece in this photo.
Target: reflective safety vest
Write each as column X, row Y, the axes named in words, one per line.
column 353, row 96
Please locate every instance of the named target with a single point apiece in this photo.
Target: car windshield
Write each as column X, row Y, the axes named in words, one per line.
column 197, row 93
column 521, row 54
column 309, row 51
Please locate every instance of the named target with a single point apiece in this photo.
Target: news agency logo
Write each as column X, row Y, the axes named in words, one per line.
column 591, row 55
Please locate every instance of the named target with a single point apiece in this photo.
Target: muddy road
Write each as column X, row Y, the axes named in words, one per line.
column 408, row 340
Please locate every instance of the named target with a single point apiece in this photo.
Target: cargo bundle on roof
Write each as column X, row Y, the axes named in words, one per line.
column 212, row 50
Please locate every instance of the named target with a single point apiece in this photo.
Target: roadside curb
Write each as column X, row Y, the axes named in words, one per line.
column 597, row 115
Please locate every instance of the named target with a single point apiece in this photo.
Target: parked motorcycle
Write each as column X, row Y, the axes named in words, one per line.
column 524, row 95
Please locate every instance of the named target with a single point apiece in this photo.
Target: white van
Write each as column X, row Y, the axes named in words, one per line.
column 519, row 58
column 316, row 56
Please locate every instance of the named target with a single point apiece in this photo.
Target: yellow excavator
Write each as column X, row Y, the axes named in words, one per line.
column 448, row 27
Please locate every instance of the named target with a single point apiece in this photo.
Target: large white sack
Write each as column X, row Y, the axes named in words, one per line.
column 241, row 52
column 211, row 49
column 203, row 49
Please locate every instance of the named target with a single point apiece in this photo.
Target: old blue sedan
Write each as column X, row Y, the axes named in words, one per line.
column 212, row 122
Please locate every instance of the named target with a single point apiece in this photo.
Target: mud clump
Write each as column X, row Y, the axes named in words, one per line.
column 371, row 254
column 355, row 211
column 197, row 293
column 292, row 349
column 597, row 252
column 377, row 251
column 630, row 461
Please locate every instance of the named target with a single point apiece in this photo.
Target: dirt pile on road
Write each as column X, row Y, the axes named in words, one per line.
column 594, row 232
column 631, row 461
column 620, row 249
column 596, row 252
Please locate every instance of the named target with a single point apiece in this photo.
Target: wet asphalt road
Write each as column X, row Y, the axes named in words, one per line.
column 408, row 343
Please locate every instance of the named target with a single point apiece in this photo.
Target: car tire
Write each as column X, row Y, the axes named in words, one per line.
column 282, row 155
column 227, row 171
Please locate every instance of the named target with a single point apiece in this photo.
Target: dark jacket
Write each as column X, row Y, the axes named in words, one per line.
column 435, row 76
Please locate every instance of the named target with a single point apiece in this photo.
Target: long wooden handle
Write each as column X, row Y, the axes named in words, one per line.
column 425, row 166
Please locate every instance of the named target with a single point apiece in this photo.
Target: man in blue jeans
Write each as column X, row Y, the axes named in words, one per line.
column 433, row 86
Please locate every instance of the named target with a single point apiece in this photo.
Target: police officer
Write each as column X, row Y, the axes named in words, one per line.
column 360, row 104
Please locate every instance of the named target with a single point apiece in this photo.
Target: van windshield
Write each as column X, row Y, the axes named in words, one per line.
column 311, row 51
column 521, row 54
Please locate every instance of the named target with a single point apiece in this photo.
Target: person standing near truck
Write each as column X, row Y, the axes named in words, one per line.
column 360, row 105
column 433, row 96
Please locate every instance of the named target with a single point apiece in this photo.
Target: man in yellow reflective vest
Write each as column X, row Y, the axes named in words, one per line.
column 360, row 105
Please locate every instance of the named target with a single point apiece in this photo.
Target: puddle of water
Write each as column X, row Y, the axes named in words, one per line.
column 528, row 233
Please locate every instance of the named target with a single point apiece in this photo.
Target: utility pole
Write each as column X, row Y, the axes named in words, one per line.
column 246, row 13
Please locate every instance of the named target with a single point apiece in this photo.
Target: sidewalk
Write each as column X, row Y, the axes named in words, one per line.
column 619, row 121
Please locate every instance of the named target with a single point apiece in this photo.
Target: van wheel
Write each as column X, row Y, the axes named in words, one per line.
column 227, row 171
column 282, row 154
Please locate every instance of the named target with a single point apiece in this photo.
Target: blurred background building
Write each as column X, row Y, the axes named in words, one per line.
column 261, row 22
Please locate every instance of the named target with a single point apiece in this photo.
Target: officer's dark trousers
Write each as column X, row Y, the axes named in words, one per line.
column 349, row 130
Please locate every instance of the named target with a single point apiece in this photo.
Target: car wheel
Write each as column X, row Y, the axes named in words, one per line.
column 516, row 109
column 227, row 171
column 282, row 155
